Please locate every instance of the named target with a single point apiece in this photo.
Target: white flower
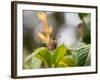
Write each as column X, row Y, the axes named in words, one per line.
column 68, row 33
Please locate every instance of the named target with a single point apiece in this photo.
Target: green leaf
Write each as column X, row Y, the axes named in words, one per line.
column 82, row 15
column 33, row 63
column 36, row 51
column 46, row 57
column 83, row 55
column 67, row 61
column 59, row 53
column 88, row 60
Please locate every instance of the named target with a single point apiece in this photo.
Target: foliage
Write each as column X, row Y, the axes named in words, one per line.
column 60, row 57
column 83, row 56
column 86, row 19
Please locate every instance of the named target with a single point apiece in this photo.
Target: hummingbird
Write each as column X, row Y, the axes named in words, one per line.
column 52, row 44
